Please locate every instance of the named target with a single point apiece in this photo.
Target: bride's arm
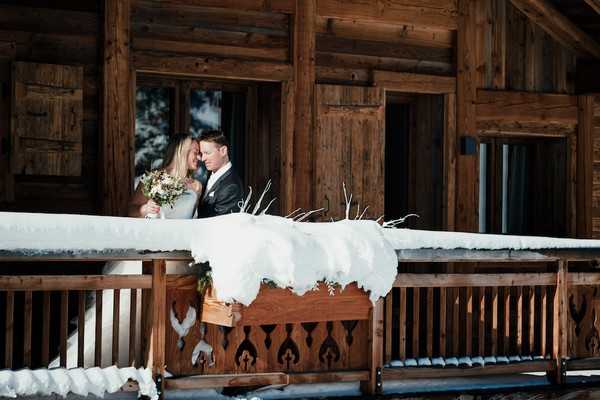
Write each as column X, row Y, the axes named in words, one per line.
column 140, row 206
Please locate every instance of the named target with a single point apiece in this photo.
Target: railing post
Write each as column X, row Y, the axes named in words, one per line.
column 559, row 342
column 375, row 357
column 153, row 321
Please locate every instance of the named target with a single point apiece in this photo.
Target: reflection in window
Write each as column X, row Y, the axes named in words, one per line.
column 205, row 111
column 151, row 128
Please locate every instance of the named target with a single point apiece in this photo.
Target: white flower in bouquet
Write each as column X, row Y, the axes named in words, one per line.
column 164, row 189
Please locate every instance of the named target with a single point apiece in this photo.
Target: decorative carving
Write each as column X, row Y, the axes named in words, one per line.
column 268, row 329
column 203, row 352
column 309, row 327
column 288, row 351
column 577, row 315
column 225, row 330
column 592, row 341
column 246, row 352
column 182, row 328
column 329, row 349
column 349, row 327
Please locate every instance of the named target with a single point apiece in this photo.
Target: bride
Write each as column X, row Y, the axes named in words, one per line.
column 181, row 160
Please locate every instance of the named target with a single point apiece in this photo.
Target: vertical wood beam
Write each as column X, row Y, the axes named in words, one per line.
column 27, row 328
column 116, row 168
column 287, row 146
column 375, row 356
column 559, row 342
column 585, row 166
column 499, row 45
column 159, row 312
column 304, row 78
column 9, row 328
column 467, row 177
column 449, row 160
column 45, row 328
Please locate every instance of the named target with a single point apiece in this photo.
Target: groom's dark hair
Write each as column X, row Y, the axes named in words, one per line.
column 214, row 136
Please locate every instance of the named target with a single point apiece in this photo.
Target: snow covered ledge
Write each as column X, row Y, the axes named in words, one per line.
column 246, row 249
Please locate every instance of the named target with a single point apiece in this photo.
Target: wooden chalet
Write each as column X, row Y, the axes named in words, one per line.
column 478, row 115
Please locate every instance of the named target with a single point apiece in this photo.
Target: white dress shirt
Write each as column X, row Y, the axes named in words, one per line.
column 216, row 175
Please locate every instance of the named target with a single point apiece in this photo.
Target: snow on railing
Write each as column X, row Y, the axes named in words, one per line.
column 79, row 381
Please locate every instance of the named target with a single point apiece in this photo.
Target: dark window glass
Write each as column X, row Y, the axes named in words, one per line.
column 152, row 128
column 522, row 187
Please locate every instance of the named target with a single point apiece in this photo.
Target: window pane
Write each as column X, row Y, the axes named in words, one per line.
column 205, row 110
column 151, row 127
column 523, row 191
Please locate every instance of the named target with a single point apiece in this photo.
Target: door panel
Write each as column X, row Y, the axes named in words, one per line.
column 350, row 148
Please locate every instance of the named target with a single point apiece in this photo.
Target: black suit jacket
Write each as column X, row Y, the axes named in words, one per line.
column 223, row 197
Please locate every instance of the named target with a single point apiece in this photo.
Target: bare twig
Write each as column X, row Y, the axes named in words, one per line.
column 395, row 222
column 260, row 199
column 306, row 215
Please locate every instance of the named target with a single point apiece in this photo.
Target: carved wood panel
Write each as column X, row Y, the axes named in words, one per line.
column 297, row 347
column 584, row 321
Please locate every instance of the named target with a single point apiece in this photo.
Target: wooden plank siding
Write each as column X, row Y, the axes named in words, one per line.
column 57, row 36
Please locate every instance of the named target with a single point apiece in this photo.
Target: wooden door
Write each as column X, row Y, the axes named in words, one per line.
column 47, row 113
column 350, row 148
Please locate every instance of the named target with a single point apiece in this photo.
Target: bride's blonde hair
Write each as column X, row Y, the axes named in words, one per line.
column 176, row 154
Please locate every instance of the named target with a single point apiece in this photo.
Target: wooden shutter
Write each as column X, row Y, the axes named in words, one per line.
column 47, row 110
column 350, row 148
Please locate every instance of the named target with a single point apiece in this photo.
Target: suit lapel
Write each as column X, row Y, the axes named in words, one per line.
column 217, row 184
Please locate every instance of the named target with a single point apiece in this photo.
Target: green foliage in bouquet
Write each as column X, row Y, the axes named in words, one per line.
column 162, row 187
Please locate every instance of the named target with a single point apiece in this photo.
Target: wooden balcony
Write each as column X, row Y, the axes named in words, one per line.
column 451, row 313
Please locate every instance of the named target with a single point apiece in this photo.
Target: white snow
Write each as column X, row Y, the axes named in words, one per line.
column 60, row 381
column 409, row 239
column 244, row 249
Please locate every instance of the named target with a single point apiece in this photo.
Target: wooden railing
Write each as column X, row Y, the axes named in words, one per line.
column 52, row 295
column 485, row 304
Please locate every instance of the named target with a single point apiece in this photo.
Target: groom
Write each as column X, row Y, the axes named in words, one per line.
column 223, row 190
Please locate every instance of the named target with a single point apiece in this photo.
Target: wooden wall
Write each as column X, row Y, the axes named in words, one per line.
column 500, row 48
column 179, row 30
column 67, row 33
column 348, row 50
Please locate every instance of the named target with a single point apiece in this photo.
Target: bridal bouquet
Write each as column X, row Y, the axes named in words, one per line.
column 162, row 187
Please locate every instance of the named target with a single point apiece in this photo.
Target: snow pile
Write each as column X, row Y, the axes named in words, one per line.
column 96, row 381
column 243, row 249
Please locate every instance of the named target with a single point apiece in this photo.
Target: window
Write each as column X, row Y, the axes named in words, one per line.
column 168, row 106
column 522, row 186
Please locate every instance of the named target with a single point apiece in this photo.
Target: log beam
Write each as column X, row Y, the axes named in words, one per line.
column 467, row 165
column 166, row 64
column 304, row 92
column 595, row 4
column 116, row 168
column 525, row 107
column 585, row 166
column 414, row 83
column 559, row 27
column 435, row 14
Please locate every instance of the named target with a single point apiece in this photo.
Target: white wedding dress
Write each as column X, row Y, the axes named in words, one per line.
column 184, row 208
